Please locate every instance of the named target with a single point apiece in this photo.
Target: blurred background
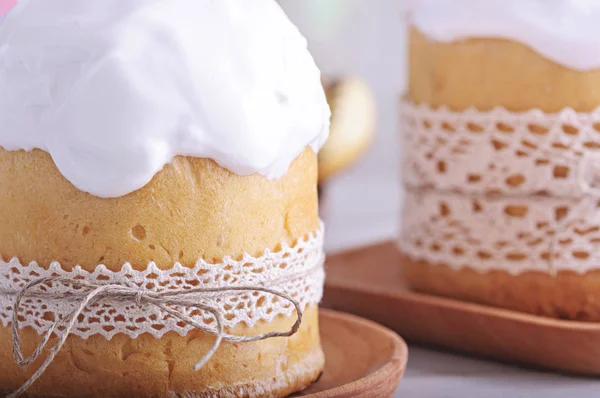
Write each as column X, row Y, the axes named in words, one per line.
column 365, row 39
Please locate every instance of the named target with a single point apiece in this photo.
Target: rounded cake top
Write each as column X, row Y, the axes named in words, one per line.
column 564, row 31
column 114, row 89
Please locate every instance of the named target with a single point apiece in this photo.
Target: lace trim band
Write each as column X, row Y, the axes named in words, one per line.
column 501, row 190
column 294, row 270
column 498, row 151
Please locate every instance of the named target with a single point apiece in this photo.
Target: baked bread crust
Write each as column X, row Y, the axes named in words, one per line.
column 486, row 73
column 192, row 209
column 148, row 367
column 567, row 295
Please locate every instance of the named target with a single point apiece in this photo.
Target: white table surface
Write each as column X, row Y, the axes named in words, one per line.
column 367, row 38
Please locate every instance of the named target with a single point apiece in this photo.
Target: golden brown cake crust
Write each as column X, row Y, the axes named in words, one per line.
column 567, row 295
column 162, row 368
column 486, row 73
column 192, row 209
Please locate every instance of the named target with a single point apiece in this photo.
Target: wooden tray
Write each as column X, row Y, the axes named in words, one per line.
column 364, row 359
column 367, row 282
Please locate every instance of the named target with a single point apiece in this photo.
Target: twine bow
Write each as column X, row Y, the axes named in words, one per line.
column 89, row 294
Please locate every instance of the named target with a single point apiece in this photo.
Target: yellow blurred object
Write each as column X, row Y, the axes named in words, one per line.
column 353, row 124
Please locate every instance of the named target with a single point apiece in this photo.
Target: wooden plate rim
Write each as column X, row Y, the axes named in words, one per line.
column 394, row 368
column 453, row 304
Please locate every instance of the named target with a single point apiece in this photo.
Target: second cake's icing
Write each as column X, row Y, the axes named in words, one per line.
column 114, row 89
column 565, row 31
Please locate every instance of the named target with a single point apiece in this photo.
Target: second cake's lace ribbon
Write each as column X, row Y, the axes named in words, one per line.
column 512, row 191
column 91, row 293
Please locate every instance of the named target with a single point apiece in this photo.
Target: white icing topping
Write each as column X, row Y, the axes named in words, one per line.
column 114, row 89
column 564, row 31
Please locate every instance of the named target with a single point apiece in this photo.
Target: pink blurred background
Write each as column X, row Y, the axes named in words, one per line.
column 6, row 5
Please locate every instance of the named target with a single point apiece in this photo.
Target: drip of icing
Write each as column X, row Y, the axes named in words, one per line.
column 564, row 31
column 114, row 89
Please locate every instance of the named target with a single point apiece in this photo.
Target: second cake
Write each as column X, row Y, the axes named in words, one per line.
column 501, row 133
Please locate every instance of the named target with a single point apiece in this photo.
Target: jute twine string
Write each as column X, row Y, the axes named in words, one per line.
column 91, row 293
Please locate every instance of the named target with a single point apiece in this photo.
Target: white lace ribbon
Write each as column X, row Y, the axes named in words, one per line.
column 501, row 190
column 294, row 270
column 499, row 151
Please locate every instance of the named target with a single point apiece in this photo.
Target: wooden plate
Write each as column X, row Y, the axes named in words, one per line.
column 363, row 359
column 367, row 282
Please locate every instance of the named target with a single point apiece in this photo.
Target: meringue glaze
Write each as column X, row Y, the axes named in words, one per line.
column 114, row 89
column 564, row 31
